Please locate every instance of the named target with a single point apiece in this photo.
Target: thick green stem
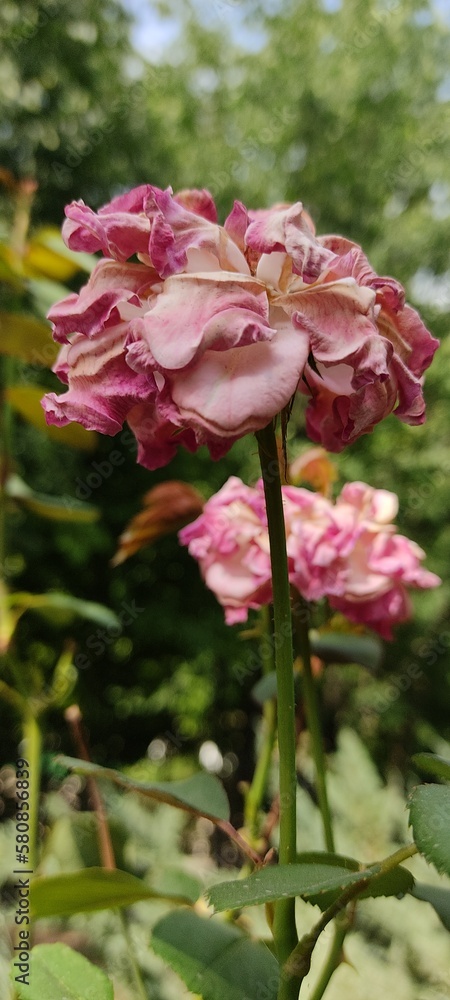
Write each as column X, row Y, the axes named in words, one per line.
column 32, row 753
column 284, row 929
column 301, row 631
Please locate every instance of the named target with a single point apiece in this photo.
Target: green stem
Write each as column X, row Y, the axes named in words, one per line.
column 257, row 788
column 284, row 929
column 32, row 753
column 334, row 957
column 142, row 993
column 301, row 631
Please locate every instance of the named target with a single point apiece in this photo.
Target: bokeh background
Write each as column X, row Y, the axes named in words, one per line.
column 345, row 105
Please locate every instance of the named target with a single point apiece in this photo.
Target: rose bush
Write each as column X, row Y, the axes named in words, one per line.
column 209, row 334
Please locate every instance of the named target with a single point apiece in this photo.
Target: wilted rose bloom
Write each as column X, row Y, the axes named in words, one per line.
column 381, row 565
column 209, row 335
column 231, row 543
column 347, row 551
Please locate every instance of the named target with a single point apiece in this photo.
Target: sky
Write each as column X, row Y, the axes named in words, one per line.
column 154, row 34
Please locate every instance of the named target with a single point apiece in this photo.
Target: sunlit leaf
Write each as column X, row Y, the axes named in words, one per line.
column 53, row 508
column 64, row 679
column 28, row 338
column 215, row 960
column 54, row 601
column 201, row 794
column 26, row 400
column 10, row 267
column 48, row 255
column 95, row 889
column 429, row 816
column 57, row 972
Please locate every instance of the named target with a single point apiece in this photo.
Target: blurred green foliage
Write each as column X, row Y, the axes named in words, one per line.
column 345, row 107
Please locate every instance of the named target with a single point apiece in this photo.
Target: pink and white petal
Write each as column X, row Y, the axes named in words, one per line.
column 117, row 233
column 175, row 230
column 102, row 388
column 96, row 305
column 201, row 202
column 234, row 392
column 381, row 614
column 132, row 201
column 219, row 312
column 412, row 341
column 337, row 316
column 236, row 224
column 288, row 229
column 380, row 506
column 101, row 405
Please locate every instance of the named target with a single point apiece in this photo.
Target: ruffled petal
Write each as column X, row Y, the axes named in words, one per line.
column 119, row 229
column 238, row 391
column 109, row 285
column 288, row 229
column 176, row 230
column 220, row 311
column 102, row 387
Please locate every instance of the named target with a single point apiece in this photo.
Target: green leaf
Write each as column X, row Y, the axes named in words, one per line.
column 266, row 687
column 95, row 889
column 173, row 882
column 26, row 400
column 439, row 899
column 342, row 647
column 429, row 816
column 215, row 960
column 320, row 882
column 431, row 764
column 54, row 601
column 202, row 794
column 65, row 676
column 54, row 508
column 28, row 338
column 58, row 972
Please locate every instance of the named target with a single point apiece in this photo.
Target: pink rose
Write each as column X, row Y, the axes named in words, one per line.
column 346, row 551
column 231, row 544
column 224, row 324
column 353, row 382
column 381, row 564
